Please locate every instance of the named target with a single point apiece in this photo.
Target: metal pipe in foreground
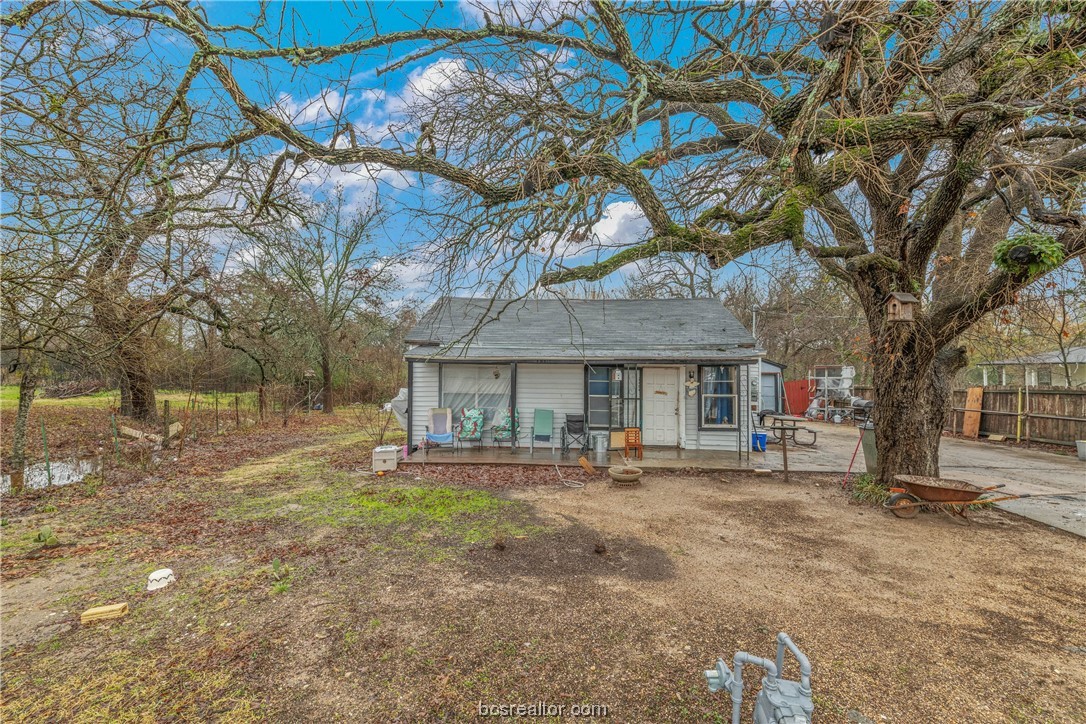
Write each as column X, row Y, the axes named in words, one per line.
column 779, row 701
column 784, row 641
column 723, row 678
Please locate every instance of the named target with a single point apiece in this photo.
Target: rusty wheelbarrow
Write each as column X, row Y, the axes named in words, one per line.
column 950, row 496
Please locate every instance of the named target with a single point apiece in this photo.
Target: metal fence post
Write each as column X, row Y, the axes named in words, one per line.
column 45, row 446
column 116, row 442
column 165, row 424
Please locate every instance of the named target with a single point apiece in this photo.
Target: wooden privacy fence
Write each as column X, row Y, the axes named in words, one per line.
column 1052, row 414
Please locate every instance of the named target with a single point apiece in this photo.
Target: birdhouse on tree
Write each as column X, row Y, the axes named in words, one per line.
column 901, row 307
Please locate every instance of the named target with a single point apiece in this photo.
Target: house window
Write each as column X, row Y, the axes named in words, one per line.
column 599, row 397
column 1044, row 376
column 614, row 397
column 475, row 386
column 718, row 396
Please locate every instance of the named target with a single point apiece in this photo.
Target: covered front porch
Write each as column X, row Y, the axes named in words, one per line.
column 691, row 406
column 656, row 458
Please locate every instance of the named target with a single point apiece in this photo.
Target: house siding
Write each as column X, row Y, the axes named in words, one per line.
column 722, row 439
column 424, row 396
column 560, row 387
column 557, row 387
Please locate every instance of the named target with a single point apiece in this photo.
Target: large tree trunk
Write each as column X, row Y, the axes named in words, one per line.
column 137, row 387
column 27, row 387
column 912, row 400
column 326, row 375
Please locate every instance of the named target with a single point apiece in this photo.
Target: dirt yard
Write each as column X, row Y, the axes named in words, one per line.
column 310, row 590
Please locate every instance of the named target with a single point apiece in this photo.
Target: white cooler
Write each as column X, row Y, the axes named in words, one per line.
column 384, row 457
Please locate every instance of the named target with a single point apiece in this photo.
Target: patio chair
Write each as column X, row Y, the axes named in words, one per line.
column 439, row 428
column 542, row 429
column 470, row 427
column 574, row 431
column 633, row 442
column 504, row 424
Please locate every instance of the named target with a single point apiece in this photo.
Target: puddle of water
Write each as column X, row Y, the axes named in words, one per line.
column 64, row 472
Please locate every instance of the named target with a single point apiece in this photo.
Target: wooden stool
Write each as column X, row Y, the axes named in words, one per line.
column 633, row 442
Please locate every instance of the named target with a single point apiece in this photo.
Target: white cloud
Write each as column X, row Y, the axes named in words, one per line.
column 321, row 107
column 623, row 223
column 359, row 182
column 414, row 281
column 526, row 13
column 106, row 36
column 426, row 84
column 376, row 114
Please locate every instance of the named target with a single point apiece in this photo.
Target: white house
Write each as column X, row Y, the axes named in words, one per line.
column 685, row 371
column 1047, row 369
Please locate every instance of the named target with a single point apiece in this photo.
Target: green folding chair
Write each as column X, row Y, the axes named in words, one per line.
column 542, row 429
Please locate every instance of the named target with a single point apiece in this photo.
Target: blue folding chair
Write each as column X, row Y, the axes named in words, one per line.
column 439, row 429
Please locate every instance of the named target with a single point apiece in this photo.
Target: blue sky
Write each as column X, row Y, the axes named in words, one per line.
column 375, row 101
column 371, row 96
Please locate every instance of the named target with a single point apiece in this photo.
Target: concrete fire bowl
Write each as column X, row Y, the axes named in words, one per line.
column 624, row 474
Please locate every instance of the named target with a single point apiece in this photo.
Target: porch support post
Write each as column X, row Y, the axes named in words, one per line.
column 410, row 402
column 742, row 371
column 513, row 407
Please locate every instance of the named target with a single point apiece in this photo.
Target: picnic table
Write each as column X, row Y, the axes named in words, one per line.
column 783, row 427
column 786, row 427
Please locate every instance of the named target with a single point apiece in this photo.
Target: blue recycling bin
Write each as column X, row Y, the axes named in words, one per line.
column 758, row 441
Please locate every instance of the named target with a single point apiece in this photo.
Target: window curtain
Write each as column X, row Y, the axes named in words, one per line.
column 718, row 395
column 485, row 387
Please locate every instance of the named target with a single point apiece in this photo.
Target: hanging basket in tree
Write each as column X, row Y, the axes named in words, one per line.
column 1029, row 254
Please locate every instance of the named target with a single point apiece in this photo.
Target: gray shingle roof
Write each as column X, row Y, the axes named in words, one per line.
column 580, row 329
column 1075, row 355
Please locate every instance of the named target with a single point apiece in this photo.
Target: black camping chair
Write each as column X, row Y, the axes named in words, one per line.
column 574, row 432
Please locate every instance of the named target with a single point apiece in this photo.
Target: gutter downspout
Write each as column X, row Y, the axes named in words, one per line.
column 513, row 415
column 410, row 400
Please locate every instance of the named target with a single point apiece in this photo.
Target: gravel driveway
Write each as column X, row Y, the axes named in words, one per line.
column 1022, row 471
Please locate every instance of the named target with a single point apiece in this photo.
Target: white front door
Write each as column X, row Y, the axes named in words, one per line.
column 661, row 415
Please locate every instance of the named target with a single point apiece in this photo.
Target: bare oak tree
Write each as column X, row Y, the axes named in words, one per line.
column 933, row 148
column 116, row 168
column 328, row 273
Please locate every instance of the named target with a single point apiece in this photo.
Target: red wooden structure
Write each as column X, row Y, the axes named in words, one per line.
column 797, row 396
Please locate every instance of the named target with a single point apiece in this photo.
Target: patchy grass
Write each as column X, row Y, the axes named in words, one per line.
column 19, row 542
column 9, row 395
column 307, row 589
column 103, row 399
column 299, row 464
column 307, row 487
column 178, row 680
column 180, row 655
column 866, row 490
column 418, row 515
